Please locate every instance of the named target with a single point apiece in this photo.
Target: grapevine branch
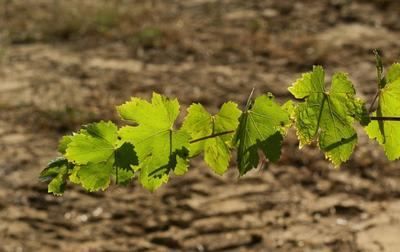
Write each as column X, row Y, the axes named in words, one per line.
column 380, row 78
column 212, row 136
column 371, row 107
column 373, row 118
column 257, row 127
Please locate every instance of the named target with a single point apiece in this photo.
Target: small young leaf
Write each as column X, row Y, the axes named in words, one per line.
column 198, row 123
column 56, row 174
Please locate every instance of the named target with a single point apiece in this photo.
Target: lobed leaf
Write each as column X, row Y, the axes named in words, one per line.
column 199, row 124
column 98, row 156
column 260, row 127
column 327, row 115
column 156, row 141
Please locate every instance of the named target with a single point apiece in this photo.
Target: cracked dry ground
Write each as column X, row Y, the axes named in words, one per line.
column 299, row 204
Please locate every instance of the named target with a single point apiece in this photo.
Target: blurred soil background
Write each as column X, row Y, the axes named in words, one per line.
column 67, row 63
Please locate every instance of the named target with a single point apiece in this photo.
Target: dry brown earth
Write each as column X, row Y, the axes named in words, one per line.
column 66, row 63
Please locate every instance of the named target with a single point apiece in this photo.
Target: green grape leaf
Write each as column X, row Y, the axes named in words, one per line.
column 96, row 176
column 95, row 144
column 56, row 174
column 327, row 115
column 155, row 139
column 99, row 155
column 260, row 127
column 387, row 133
column 199, row 123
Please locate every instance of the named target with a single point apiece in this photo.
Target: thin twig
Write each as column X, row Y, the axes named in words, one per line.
column 379, row 76
column 249, row 98
column 384, row 118
column 212, row 136
column 371, row 107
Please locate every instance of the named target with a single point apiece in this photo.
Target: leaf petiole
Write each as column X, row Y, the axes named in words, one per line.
column 384, row 118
